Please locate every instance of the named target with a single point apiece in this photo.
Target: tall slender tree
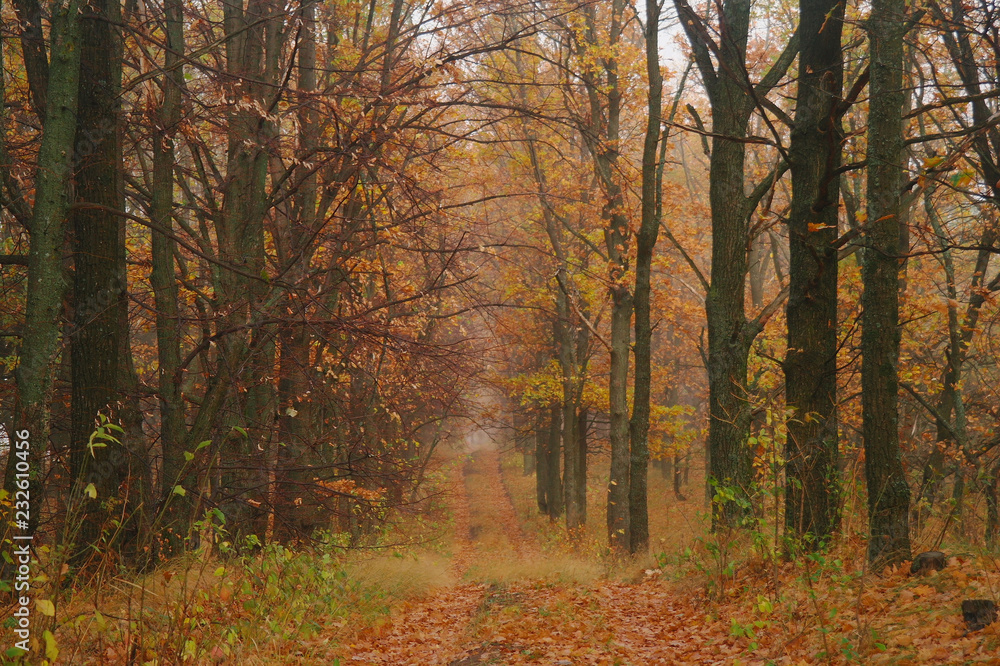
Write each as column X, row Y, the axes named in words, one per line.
column 888, row 492
column 732, row 96
column 649, row 230
column 46, row 282
column 162, row 276
column 602, row 134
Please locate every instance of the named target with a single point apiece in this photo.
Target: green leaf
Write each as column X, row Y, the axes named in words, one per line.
column 179, row 490
column 203, row 445
column 188, row 456
column 90, row 491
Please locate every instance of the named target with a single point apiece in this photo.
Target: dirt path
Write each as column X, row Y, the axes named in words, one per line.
column 525, row 620
column 441, row 628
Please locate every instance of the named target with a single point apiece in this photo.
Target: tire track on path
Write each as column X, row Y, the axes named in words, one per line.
column 440, row 628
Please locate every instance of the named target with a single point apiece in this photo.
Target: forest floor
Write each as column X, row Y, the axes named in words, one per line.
column 479, row 577
column 518, row 604
column 525, row 595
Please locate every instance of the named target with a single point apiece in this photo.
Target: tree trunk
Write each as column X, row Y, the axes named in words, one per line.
column 248, row 356
column 888, row 492
column 294, row 458
column 554, row 490
column 36, row 65
column 571, row 447
column 811, row 495
column 563, row 332
column 99, row 291
column 992, row 508
column 527, row 463
column 46, row 283
column 163, row 281
column 602, row 137
column 987, row 148
column 541, row 464
column 678, row 477
column 645, row 243
column 730, row 334
column 757, row 267
column 581, row 460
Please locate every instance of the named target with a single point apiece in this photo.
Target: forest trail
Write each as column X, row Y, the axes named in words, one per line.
column 441, row 628
column 527, row 620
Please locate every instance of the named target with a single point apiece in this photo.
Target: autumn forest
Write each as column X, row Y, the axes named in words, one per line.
column 499, row 331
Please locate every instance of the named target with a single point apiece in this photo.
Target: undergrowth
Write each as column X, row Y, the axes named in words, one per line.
column 271, row 604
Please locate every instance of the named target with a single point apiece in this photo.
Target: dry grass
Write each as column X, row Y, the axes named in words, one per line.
column 402, row 576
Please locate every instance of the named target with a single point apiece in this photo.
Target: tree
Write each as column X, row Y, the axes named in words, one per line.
column 99, row 347
column 163, row 278
column 888, row 492
column 810, row 365
column 649, row 229
column 601, row 131
column 46, row 283
column 733, row 98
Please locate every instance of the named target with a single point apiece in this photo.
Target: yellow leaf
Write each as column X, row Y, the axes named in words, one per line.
column 91, row 491
column 51, row 649
column 45, row 607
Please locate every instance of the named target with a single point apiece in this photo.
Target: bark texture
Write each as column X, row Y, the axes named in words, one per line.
column 888, row 492
column 100, row 301
column 46, row 282
column 811, row 362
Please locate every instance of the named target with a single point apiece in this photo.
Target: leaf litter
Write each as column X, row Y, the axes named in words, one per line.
column 669, row 615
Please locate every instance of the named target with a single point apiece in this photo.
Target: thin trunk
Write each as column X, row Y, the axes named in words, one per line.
column 757, row 268
column 987, row 148
column 163, row 281
column 562, row 330
column 248, row 357
column 295, row 412
column 36, row 64
column 571, row 449
column 678, row 477
column 992, row 508
column 581, row 461
column 888, row 492
column 645, row 243
column 553, row 490
column 542, row 464
column 602, row 137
